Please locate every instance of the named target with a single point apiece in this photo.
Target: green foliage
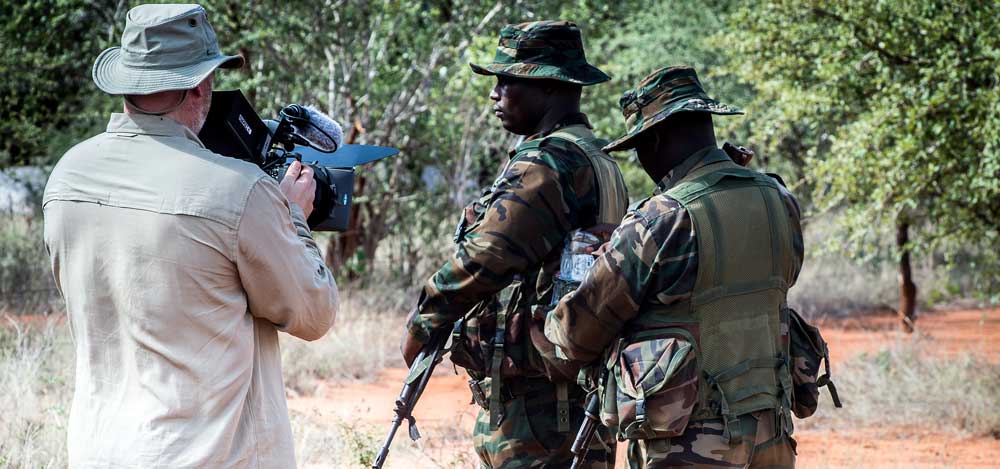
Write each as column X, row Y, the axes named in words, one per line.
column 652, row 37
column 878, row 111
column 888, row 110
column 47, row 97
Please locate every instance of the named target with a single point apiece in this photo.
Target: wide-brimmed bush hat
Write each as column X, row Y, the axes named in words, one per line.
column 660, row 95
column 164, row 47
column 543, row 49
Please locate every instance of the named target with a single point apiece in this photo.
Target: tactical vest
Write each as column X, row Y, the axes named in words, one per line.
column 511, row 308
column 737, row 314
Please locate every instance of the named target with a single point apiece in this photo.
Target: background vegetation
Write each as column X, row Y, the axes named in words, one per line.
column 880, row 115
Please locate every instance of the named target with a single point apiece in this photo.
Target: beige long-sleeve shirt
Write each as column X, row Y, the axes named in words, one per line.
column 179, row 267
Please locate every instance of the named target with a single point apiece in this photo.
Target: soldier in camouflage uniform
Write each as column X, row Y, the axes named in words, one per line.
column 686, row 306
column 508, row 247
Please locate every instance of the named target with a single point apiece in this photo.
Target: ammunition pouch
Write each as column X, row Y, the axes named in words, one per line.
column 807, row 348
column 652, row 386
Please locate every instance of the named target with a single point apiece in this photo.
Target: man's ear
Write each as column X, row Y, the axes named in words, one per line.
column 203, row 89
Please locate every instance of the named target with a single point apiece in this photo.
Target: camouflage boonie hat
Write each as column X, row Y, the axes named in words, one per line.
column 661, row 94
column 543, row 49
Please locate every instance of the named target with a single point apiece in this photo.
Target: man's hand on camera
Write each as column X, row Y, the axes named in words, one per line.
column 299, row 186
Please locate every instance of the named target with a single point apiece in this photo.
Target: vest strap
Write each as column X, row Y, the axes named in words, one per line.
column 562, row 407
column 611, row 205
column 744, row 367
column 496, row 407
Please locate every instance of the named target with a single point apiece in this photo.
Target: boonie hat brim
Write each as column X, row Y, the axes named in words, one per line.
column 711, row 106
column 115, row 78
column 584, row 75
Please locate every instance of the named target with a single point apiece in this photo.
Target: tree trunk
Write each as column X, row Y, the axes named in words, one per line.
column 342, row 246
column 907, row 289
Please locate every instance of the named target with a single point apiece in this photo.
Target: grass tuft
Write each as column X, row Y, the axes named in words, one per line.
column 35, row 393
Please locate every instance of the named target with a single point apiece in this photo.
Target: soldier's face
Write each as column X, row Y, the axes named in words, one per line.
column 519, row 103
column 647, row 149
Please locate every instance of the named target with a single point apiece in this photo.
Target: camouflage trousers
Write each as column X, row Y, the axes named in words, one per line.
column 528, row 435
column 703, row 446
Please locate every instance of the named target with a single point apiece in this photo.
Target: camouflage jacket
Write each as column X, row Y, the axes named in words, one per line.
column 652, row 262
column 516, row 228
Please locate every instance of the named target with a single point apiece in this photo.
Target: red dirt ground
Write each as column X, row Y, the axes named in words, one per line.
column 446, row 401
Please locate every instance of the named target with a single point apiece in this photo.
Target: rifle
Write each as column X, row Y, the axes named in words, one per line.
column 413, row 387
column 586, row 433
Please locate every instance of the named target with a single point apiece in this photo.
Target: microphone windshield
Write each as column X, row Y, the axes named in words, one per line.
column 318, row 128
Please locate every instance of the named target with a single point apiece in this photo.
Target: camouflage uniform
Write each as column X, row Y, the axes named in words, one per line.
column 648, row 273
column 508, row 247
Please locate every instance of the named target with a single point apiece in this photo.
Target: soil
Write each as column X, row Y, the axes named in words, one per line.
column 445, row 406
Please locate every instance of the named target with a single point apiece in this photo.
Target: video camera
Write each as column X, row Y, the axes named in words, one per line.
column 234, row 129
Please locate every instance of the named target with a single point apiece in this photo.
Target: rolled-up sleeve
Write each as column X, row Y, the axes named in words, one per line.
column 282, row 268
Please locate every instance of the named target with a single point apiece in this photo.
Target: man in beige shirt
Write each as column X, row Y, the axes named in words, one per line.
column 179, row 266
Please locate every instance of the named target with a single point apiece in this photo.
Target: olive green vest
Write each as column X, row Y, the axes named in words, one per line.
column 738, row 306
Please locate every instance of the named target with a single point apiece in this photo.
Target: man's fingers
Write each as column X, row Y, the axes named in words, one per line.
column 293, row 171
column 306, row 172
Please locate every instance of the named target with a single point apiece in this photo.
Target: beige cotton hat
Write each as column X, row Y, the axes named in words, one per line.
column 164, row 47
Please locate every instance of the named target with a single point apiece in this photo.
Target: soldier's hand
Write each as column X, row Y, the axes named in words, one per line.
column 410, row 348
column 299, row 186
column 603, row 230
column 600, row 249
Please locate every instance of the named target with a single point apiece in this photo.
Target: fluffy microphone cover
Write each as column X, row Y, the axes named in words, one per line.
column 329, row 126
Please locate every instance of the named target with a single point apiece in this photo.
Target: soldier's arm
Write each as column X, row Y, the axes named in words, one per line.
column 651, row 259
column 525, row 219
column 795, row 215
column 798, row 243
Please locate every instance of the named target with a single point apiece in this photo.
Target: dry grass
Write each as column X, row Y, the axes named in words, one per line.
column 36, row 373
column 905, row 384
column 323, row 444
column 364, row 340
column 908, row 384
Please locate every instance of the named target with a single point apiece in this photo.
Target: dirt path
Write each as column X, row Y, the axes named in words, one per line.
column 445, row 414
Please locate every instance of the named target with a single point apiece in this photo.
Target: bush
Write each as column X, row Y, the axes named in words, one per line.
column 26, row 282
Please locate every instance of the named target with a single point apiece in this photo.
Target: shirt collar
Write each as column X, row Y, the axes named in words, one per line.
column 573, row 118
column 144, row 124
column 708, row 155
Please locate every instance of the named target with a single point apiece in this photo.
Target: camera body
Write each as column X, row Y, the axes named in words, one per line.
column 234, row 129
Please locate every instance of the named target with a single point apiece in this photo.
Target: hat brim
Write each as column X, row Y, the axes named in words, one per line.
column 627, row 141
column 115, row 78
column 584, row 75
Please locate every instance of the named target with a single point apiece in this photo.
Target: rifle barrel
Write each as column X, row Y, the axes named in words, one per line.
column 383, row 452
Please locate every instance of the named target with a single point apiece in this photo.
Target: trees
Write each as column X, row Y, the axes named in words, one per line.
column 47, row 98
column 888, row 108
column 397, row 73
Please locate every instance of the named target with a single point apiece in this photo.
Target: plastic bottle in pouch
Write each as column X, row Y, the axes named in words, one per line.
column 575, row 262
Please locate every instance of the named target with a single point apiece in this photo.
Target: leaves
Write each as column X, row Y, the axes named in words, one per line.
column 889, row 110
